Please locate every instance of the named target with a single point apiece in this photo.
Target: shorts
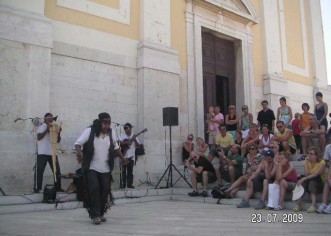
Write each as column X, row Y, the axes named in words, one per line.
column 292, row 150
column 225, row 175
column 258, row 182
column 211, row 177
column 314, row 185
column 212, row 137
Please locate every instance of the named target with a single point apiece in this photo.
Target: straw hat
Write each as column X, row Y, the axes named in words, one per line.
column 298, row 192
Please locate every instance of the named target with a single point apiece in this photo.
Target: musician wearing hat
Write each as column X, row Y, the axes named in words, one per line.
column 45, row 154
column 129, row 143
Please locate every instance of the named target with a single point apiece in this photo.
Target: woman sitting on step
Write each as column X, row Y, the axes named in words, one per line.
column 286, row 177
column 314, row 177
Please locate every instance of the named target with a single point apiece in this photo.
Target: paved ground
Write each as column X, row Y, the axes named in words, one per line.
column 164, row 218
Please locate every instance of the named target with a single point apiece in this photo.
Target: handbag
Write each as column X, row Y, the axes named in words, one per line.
column 273, row 195
column 49, row 193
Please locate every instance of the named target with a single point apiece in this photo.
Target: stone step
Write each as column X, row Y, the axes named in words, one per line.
column 32, row 202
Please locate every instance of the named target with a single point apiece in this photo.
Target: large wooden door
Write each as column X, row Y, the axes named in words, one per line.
column 218, row 72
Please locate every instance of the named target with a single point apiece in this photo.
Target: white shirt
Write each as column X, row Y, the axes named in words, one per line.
column 131, row 152
column 265, row 142
column 44, row 144
column 101, row 144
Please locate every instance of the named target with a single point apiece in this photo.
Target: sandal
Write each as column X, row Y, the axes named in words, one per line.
column 193, row 194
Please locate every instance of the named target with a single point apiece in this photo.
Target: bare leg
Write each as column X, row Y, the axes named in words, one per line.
column 249, row 190
column 218, row 174
column 232, row 174
column 265, row 189
column 283, row 187
column 237, row 183
column 304, row 143
column 194, row 181
column 205, row 180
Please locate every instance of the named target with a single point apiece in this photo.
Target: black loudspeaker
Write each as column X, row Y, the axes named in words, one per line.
column 170, row 116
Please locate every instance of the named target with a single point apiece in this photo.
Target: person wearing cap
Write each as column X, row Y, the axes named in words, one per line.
column 313, row 135
column 232, row 121
column 100, row 147
column 131, row 142
column 45, row 154
column 313, row 179
column 260, row 180
column 286, row 177
column 285, row 138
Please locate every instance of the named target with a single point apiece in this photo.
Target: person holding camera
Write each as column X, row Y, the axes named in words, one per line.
column 224, row 141
column 231, row 167
column 202, row 171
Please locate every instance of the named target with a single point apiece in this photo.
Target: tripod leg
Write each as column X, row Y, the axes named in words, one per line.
column 162, row 177
column 181, row 176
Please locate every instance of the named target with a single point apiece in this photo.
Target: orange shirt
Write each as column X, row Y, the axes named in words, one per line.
column 305, row 120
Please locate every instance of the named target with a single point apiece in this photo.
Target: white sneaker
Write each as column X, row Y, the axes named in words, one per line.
column 327, row 210
column 321, row 208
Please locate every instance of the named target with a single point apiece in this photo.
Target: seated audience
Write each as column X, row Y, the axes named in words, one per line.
column 203, row 148
column 313, row 135
column 239, row 139
column 202, row 172
column 313, row 179
column 188, row 146
column 286, row 177
column 285, row 138
column 259, row 181
column 253, row 161
column 324, row 208
column 231, row 165
column 223, row 142
column 265, row 138
column 252, row 138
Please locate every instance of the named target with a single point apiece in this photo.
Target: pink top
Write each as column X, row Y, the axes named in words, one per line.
column 214, row 126
column 292, row 177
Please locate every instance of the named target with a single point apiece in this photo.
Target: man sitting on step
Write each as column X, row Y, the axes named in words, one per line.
column 203, row 171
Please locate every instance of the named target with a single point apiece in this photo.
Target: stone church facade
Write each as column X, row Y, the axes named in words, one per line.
column 131, row 58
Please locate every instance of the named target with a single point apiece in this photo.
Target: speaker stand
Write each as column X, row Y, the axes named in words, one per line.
column 169, row 170
column 3, row 193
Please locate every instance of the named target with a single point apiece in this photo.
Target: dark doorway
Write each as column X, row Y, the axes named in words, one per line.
column 218, row 72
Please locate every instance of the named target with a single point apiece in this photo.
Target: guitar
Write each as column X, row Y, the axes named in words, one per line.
column 125, row 147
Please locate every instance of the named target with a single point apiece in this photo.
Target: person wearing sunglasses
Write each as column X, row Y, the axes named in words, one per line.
column 202, row 172
column 188, row 146
column 285, row 138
